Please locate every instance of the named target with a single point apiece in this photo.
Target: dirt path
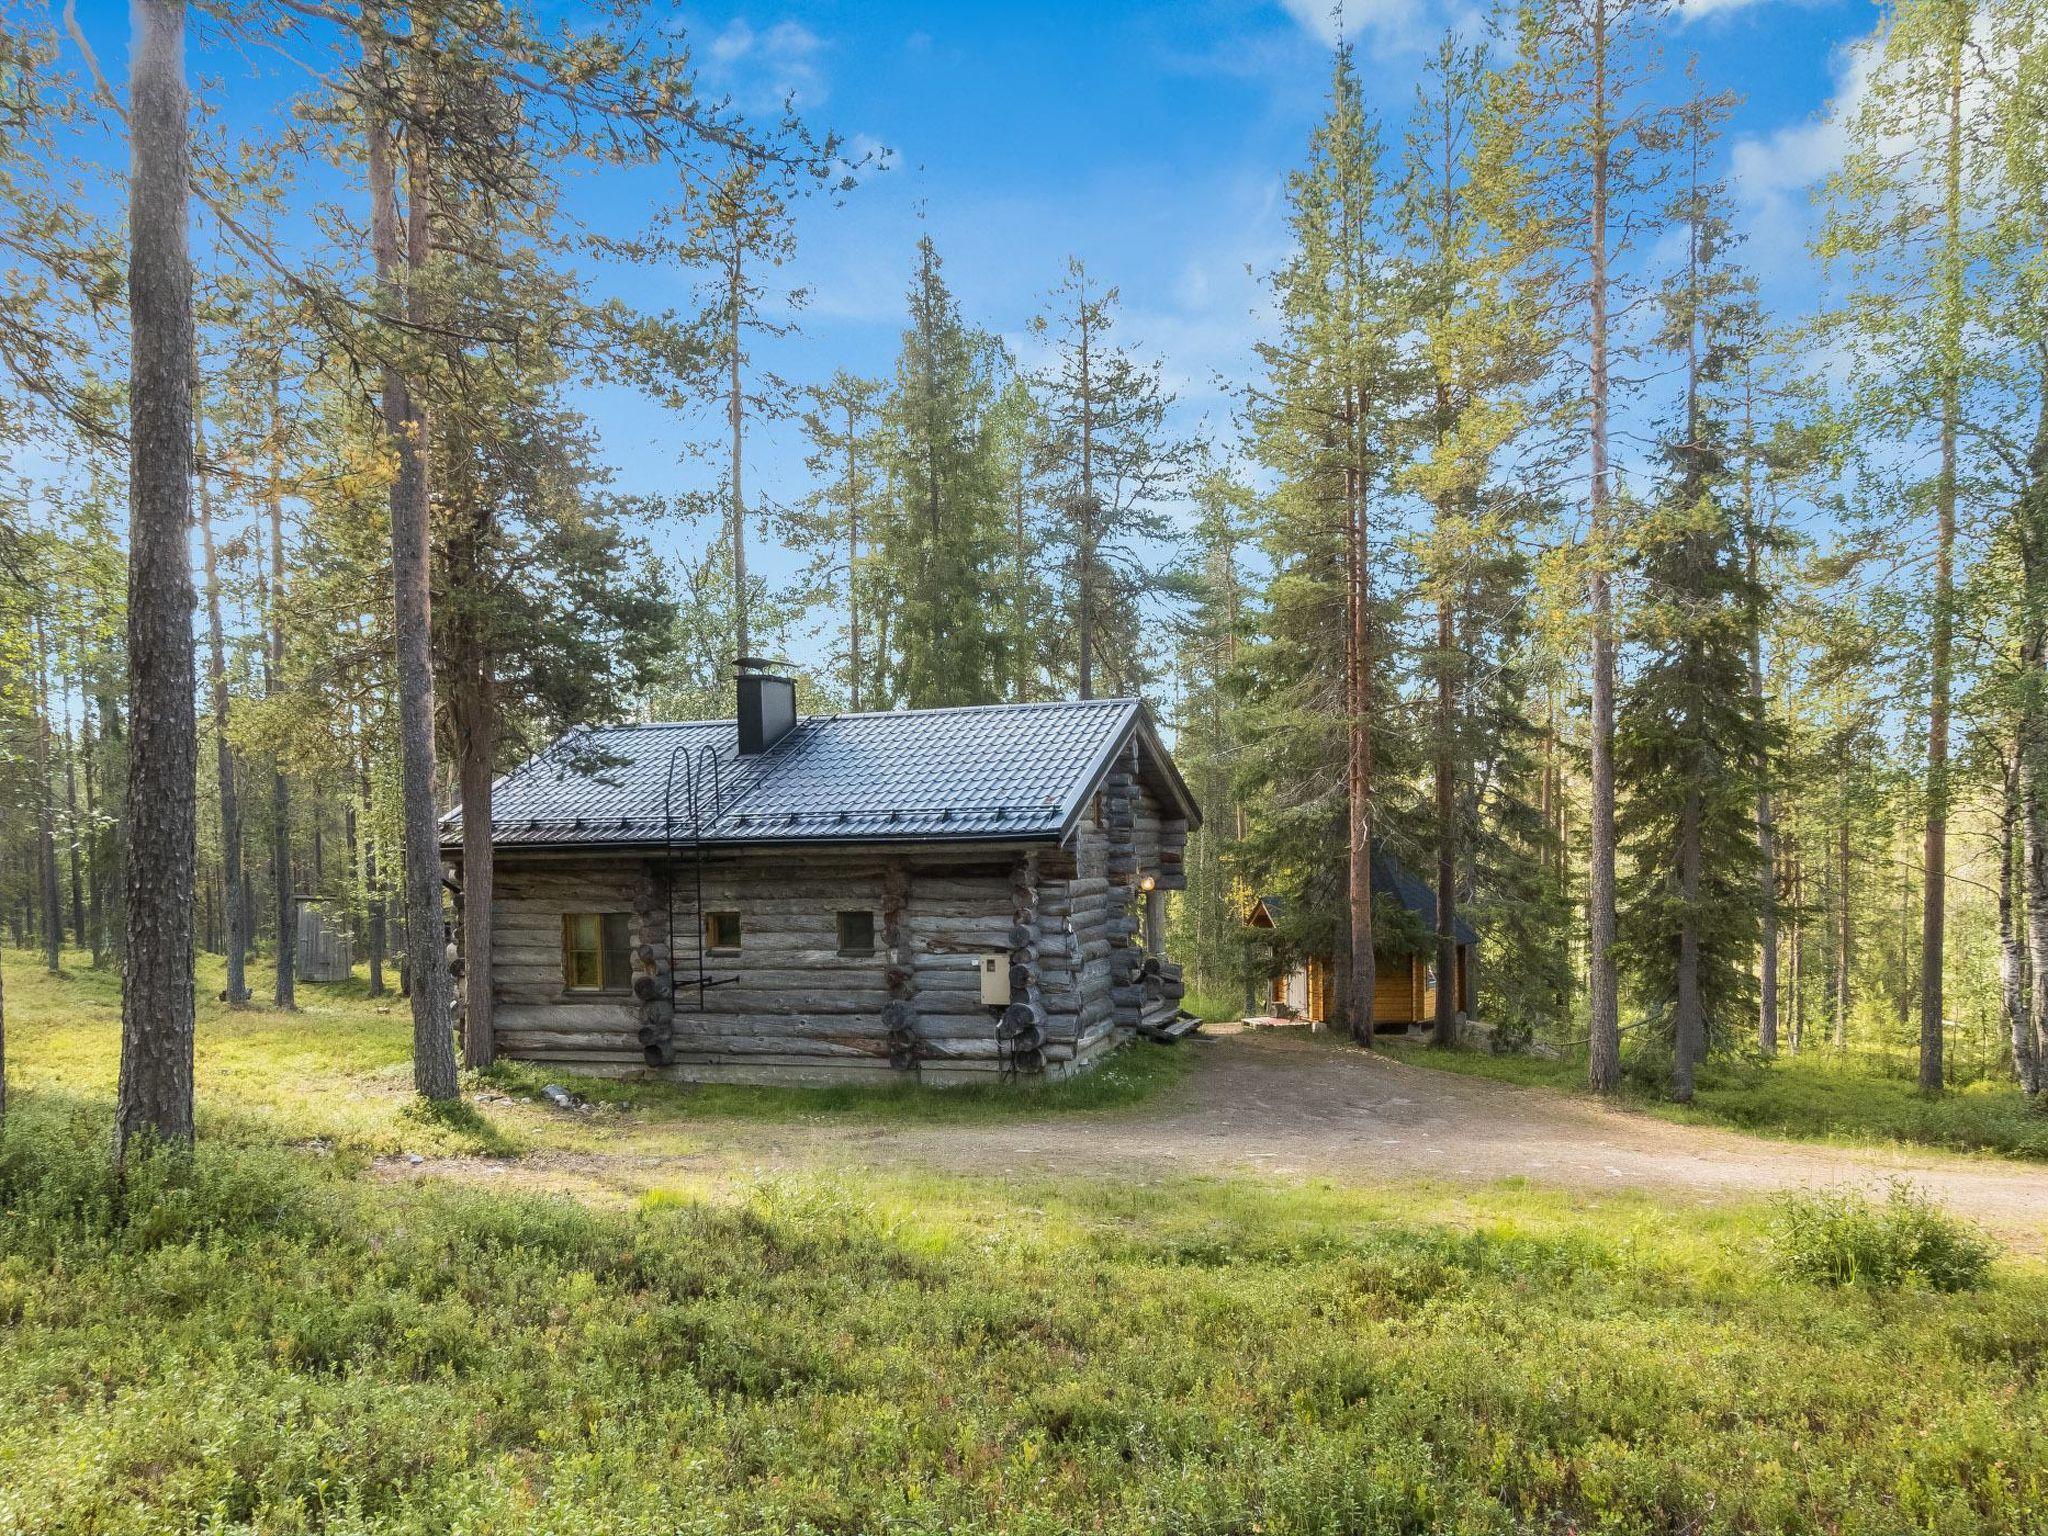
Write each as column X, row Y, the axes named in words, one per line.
column 1284, row 1105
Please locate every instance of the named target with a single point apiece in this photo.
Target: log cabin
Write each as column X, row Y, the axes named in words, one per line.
column 1404, row 982
column 940, row 895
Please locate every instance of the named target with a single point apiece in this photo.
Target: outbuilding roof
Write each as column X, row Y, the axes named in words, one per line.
column 1390, row 877
column 1001, row 772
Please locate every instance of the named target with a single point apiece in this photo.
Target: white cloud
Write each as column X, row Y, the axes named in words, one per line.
column 1697, row 10
column 771, row 65
column 1380, row 23
column 1774, row 174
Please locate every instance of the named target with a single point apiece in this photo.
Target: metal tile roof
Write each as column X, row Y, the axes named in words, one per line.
column 1004, row 771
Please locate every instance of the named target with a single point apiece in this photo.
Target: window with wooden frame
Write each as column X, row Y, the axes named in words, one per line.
column 856, row 933
column 597, row 951
column 721, row 930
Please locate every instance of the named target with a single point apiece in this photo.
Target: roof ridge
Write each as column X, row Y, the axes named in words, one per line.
column 881, row 714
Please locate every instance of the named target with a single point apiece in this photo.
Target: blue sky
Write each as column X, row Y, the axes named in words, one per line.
column 1153, row 141
column 1150, row 139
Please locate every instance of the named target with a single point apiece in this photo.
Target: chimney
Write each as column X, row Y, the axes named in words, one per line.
column 767, row 706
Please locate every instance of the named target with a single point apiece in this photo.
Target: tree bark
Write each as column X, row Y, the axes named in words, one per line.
column 1934, row 859
column 373, row 894
column 223, row 755
column 285, row 993
column 472, row 711
column 1689, row 1034
column 1360, row 979
column 405, row 420
column 2011, row 949
column 47, row 886
column 95, row 906
column 1446, row 829
column 1766, row 826
column 852, row 554
column 154, row 1097
column 1084, row 549
column 1603, row 1053
column 1845, row 938
column 72, row 851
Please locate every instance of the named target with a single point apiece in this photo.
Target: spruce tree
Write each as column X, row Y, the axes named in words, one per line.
column 942, row 538
column 1691, row 741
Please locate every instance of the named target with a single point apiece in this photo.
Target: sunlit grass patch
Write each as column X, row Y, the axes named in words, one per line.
column 1815, row 1096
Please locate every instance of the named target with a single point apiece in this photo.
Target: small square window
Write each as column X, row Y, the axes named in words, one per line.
column 597, row 951
column 722, row 930
column 857, row 933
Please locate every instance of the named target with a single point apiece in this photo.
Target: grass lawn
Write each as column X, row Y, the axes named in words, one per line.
column 263, row 1340
column 1815, row 1096
column 339, row 1072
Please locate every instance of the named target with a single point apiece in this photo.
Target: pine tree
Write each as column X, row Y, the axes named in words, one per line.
column 744, row 227
column 1108, row 463
column 1900, row 226
column 1209, row 918
column 1597, row 138
column 1480, row 354
column 154, row 1098
column 836, row 523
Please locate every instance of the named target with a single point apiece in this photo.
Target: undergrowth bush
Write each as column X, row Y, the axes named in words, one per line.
column 1838, row 1237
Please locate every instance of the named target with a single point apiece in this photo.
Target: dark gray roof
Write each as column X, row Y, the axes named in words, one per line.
column 1390, row 877
column 997, row 772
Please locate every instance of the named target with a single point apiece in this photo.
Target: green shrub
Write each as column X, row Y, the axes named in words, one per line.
column 1837, row 1237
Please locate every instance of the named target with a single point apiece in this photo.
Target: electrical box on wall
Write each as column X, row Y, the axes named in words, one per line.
column 995, row 980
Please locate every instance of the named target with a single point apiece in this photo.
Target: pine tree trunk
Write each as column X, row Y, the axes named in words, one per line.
column 285, row 992
column 1603, row 1051
column 155, row 1093
column 1845, row 939
column 2011, row 952
column 426, row 973
column 1934, row 859
column 852, row 556
column 71, row 839
column 1796, row 959
column 373, row 894
column 95, row 904
column 223, row 754
column 1766, row 825
column 1084, row 552
column 472, row 708
column 47, row 886
column 1446, row 830
column 1360, row 975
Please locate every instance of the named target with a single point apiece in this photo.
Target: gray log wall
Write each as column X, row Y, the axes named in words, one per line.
column 1067, row 927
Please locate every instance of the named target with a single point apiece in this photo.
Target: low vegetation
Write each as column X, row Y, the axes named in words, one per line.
column 1815, row 1096
column 1838, row 1237
column 252, row 1343
column 262, row 1339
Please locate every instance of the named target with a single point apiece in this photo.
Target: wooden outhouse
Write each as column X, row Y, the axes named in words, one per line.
column 1404, row 983
column 943, row 894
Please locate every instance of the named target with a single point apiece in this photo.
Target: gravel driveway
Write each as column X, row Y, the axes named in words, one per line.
column 1282, row 1104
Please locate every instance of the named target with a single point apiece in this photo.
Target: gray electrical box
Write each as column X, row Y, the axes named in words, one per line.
column 995, row 980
